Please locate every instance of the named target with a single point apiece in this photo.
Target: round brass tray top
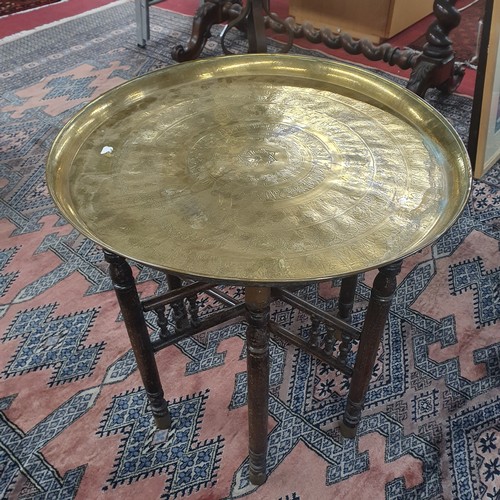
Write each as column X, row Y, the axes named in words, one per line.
column 263, row 169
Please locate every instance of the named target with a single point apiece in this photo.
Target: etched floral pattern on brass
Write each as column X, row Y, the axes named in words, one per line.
column 276, row 170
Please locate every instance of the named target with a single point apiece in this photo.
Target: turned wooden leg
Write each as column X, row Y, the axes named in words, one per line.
column 209, row 13
column 436, row 67
column 128, row 299
column 257, row 300
column 346, row 298
column 180, row 316
column 383, row 289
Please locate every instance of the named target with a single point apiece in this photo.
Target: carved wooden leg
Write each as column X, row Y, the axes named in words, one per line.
column 384, row 286
column 436, row 66
column 209, row 13
column 346, row 299
column 128, row 299
column 257, row 300
column 256, row 30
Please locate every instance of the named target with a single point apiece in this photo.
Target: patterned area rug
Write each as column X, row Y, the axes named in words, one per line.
column 12, row 6
column 73, row 416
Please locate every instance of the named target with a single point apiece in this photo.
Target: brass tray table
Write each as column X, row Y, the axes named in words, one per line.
column 267, row 171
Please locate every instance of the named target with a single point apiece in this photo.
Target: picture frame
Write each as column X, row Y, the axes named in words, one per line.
column 484, row 134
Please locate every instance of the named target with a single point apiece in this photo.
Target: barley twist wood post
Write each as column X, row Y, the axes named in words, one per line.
column 436, row 67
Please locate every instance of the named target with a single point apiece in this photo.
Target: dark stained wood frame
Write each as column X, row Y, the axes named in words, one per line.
column 333, row 349
column 481, row 116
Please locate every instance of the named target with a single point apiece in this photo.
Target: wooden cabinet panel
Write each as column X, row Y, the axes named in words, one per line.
column 375, row 20
column 406, row 13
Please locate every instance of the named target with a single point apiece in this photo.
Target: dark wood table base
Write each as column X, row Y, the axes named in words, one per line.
column 435, row 66
column 182, row 299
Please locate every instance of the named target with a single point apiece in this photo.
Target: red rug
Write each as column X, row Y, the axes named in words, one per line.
column 12, row 6
column 27, row 20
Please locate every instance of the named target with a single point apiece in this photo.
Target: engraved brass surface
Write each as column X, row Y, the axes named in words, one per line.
column 260, row 169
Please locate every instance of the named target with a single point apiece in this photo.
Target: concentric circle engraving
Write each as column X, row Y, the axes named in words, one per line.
column 261, row 177
column 282, row 161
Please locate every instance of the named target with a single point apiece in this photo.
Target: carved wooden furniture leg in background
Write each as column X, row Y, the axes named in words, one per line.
column 436, row 67
column 256, row 29
column 133, row 316
column 257, row 300
column 209, row 13
column 383, row 290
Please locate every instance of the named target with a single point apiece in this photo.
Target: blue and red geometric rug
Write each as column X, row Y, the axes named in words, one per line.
column 73, row 415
